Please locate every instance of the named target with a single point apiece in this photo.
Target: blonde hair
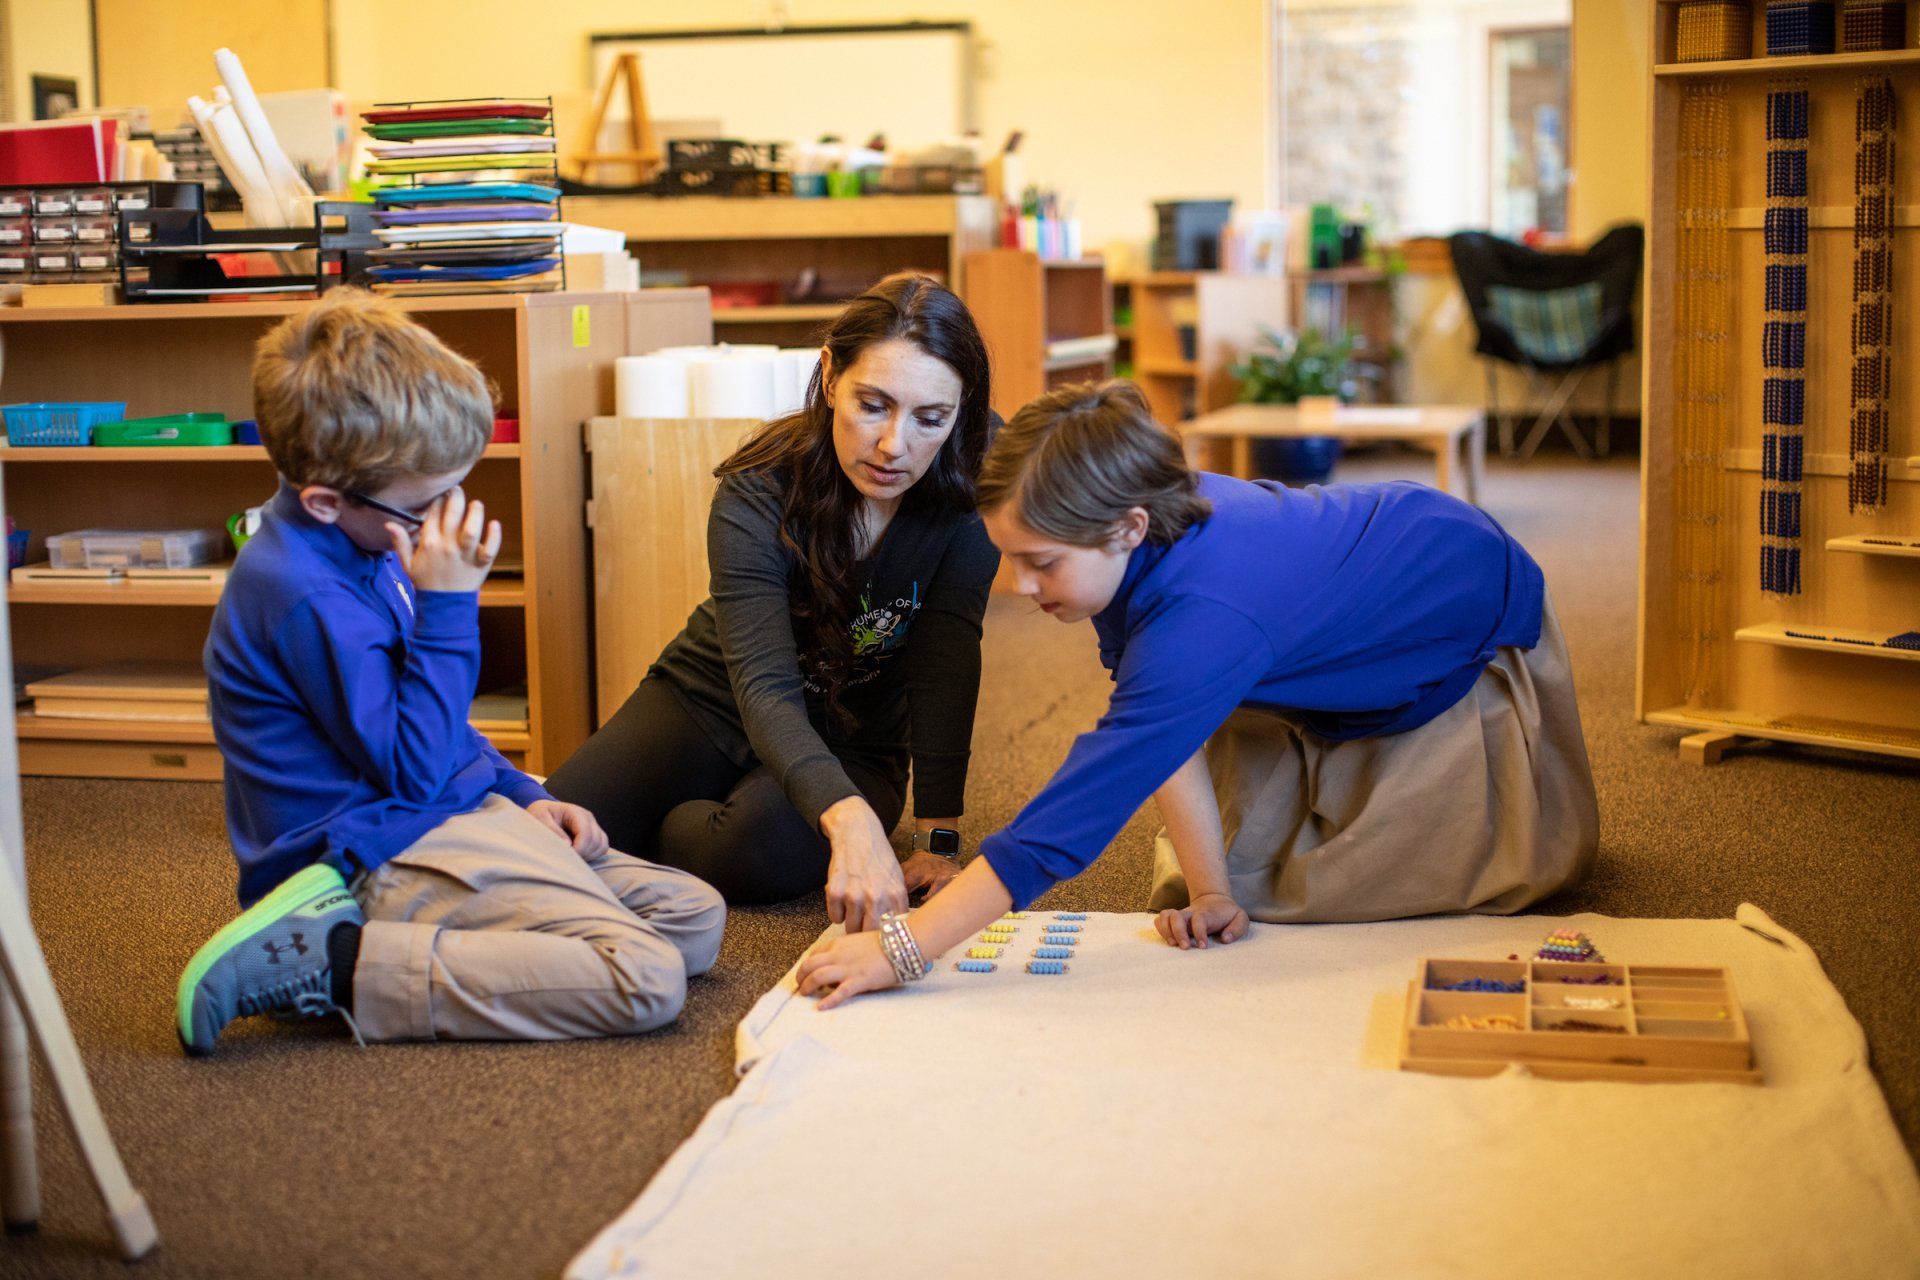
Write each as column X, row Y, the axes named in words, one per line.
column 1075, row 461
column 353, row 394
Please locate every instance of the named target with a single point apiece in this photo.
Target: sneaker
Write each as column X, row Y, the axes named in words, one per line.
column 272, row 959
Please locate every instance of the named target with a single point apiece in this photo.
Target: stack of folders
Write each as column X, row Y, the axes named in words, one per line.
column 477, row 208
column 154, row 691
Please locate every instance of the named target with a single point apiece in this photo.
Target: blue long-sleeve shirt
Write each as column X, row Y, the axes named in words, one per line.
column 339, row 698
column 1364, row 609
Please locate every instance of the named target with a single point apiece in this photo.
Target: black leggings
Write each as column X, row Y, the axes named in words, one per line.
column 664, row 792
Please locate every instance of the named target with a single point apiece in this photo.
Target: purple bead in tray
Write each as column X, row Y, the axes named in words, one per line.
column 1905, row 640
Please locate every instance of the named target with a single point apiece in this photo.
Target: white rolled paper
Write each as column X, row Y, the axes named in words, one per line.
column 650, row 387
column 796, row 371
column 725, row 386
column 289, row 188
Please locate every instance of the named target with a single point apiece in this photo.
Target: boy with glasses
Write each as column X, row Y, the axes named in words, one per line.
column 395, row 868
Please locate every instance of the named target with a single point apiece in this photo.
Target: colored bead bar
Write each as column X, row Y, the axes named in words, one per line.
column 1493, row 1022
column 1577, row 1024
column 1059, row 940
column 1569, row 945
column 1063, row 928
column 1045, row 966
column 1053, row 953
column 1492, row 985
column 983, row 953
column 974, row 966
column 1069, row 915
column 1591, row 1002
column 1014, row 915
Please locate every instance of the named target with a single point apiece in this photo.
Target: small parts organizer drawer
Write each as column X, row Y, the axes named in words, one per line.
column 1577, row 1021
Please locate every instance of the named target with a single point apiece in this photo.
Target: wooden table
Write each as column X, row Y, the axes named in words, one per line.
column 1456, row 435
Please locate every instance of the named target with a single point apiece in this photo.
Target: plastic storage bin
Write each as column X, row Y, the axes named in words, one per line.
column 175, row 429
column 133, row 548
column 46, row 423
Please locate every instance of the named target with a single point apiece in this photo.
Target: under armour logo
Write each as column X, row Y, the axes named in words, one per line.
column 274, row 949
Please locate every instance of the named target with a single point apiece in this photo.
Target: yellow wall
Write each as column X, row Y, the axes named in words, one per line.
column 50, row 37
column 1612, row 47
column 156, row 55
column 1124, row 102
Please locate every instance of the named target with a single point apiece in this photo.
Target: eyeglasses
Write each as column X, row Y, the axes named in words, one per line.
column 411, row 520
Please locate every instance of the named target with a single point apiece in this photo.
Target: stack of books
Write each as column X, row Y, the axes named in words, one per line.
column 477, row 209
column 164, row 692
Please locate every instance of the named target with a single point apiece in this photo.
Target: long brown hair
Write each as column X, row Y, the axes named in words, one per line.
column 818, row 523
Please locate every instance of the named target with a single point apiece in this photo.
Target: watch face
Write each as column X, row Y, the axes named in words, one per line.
column 944, row 841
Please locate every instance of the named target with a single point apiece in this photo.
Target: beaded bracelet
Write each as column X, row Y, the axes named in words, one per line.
column 903, row 951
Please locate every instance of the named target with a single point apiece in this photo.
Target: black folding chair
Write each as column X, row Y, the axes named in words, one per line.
column 1554, row 316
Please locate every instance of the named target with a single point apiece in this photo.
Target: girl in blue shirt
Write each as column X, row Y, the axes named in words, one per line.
column 1351, row 702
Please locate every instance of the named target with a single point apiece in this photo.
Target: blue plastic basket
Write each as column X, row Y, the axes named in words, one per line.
column 59, row 424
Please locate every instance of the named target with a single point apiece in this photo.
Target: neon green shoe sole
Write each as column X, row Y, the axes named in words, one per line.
column 288, row 931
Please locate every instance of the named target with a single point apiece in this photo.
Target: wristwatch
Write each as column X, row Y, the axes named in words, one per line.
column 942, row 842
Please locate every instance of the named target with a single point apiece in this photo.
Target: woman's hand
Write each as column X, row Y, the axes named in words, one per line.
column 849, row 966
column 1209, row 913
column 928, row 871
column 573, row 824
column 863, row 879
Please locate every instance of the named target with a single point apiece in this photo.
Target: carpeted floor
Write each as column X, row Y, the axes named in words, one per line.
column 292, row 1153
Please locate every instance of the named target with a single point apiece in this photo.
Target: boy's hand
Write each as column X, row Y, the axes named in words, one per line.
column 1210, row 913
column 850, row 964
column 451, row 553
column 573, row 824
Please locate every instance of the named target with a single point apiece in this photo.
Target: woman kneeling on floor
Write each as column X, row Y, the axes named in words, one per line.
column 1351, row 702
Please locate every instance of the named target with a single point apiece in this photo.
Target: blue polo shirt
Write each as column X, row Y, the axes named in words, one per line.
column 1363, row 609
column 339, row 698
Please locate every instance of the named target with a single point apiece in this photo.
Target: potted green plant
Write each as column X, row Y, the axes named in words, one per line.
column 1308, row 369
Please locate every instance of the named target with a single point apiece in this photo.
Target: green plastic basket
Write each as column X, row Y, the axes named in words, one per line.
column 178, row 430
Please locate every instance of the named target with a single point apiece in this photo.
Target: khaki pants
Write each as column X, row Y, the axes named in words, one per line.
column 491, row 927
column 1488, row 807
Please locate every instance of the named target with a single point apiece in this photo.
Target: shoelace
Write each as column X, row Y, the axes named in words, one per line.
column 309, row 996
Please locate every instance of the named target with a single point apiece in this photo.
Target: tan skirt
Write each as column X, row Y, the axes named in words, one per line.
column 1488, row 807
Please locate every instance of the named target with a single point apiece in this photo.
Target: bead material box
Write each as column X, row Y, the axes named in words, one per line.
column 1577, row 1022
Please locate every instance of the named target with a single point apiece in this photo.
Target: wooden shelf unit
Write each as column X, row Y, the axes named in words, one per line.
column 550, row 358
column 1023, row 306
column 1750, row 679
column 849, row 242
column 1226, row 313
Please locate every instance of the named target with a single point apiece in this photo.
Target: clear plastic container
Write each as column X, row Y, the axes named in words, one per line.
column 16, row 230
column 52, row 201
column 134, row 548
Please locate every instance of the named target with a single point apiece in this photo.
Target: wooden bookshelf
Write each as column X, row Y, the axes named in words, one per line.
column 1184, row 377
column 1045, row 323
column 550, row 358
column 846, row 243
column 1715, row 653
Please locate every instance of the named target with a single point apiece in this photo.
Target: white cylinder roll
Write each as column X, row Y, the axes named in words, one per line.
column 651, row 387
column 732, row 387
column 796, row 371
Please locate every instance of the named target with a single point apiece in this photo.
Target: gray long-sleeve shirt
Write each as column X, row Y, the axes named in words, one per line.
column 745, row 669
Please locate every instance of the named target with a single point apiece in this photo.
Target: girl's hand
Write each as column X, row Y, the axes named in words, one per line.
column 456, row 546
column 849, row 965
column 863, row 879
column 1210, row 913
column 573, row 824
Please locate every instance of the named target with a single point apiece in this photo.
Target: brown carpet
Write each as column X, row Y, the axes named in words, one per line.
column 293, row 1154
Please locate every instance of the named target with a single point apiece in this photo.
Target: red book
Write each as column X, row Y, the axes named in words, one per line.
column 53, row 151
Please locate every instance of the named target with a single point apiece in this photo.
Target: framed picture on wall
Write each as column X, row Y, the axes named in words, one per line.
column 54, row 96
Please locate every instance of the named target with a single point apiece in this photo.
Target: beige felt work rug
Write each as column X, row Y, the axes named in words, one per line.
column 1229, row 1113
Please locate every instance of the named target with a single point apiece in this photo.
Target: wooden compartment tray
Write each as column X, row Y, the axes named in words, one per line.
column 1577, row 1022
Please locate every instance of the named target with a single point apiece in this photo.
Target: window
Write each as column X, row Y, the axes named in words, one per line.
column 1426, row 116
